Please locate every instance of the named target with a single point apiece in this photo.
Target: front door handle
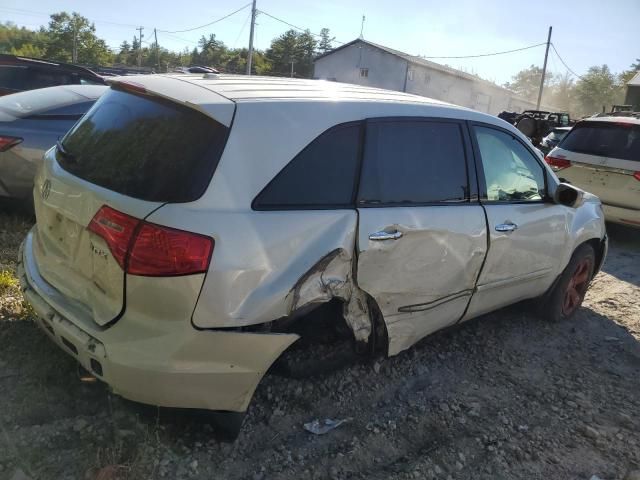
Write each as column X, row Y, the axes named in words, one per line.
column 382, row 235
column 506, row 227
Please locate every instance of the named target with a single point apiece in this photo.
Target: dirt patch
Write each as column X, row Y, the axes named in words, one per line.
column 505, row 396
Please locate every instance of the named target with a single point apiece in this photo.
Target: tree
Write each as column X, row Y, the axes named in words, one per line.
column 123, row 56
column 325, row 41
column 20, row 41
column 597, row 89
column 561, row 94
column 292, row 51
column 526, row 83
column 72, row 38
column 212, row 51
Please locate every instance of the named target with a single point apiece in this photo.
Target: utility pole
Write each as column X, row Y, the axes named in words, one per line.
column 292, row 62
column 140, row 47
column 544, row 69
column 253, row 25
column 155, row 34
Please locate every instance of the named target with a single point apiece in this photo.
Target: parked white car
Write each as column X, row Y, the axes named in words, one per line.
column 602, row 155
column 187, row 225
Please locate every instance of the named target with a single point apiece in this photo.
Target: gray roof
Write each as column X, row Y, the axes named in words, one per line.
column 415, row 60
column 635, row 81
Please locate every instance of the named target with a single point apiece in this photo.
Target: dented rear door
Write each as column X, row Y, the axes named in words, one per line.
column 422, row 234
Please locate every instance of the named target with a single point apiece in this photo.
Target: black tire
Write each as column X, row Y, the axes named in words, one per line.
column 565, row 298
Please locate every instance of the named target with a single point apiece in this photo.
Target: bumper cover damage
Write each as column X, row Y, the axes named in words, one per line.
column 168, row 364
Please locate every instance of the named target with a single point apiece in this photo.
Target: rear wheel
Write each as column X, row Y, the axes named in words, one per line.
column 567, row 295
column 527, row 125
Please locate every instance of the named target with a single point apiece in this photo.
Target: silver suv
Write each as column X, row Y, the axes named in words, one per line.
column 187, row 225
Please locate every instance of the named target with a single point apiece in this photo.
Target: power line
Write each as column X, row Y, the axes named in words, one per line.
column 244, row 25
column 208, row 24
column 296, row 27
column 563, row 62
column 175, row 37
column 492, row 54
column 22, row 11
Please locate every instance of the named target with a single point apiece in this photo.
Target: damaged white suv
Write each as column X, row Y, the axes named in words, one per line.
column 188, row 226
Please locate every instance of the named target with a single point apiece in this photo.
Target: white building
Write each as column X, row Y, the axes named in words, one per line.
column 366, row 63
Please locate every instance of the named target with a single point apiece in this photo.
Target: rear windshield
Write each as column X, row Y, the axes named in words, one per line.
column 558, row 134
column 144, row 147
column 615, row 140
column 32, row 102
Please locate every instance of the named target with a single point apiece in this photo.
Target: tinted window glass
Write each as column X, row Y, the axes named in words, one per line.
column 322, row 175
column 616, row 140
column 13, row 77
column 145, row 148
column 413, row 162
column 40, row 78
column 511, row 172
column 90, row 81
column 76, row 109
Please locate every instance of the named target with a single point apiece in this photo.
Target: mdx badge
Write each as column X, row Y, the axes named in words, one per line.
column 45, row 189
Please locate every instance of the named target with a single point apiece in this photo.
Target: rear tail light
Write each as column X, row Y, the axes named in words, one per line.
column 636, row 175
column 143, row 248
column 8, row 142
column 162, row 251
column 117, row 229
column 557, row 163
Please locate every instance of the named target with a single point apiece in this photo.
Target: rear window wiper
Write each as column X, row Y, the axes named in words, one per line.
column 60, row 148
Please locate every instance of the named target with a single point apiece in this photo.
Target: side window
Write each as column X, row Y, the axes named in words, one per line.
column 413, row 162
column 321, row 175
column 511, row 172
column 41, row 78
column 13, row 77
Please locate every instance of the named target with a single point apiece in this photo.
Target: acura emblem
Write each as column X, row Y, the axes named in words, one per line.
column 45, row 190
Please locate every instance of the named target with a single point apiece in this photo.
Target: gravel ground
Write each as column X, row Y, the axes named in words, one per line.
column 505, row 396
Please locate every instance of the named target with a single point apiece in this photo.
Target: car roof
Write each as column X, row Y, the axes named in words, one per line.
column 242, row 88
column 9, row 59
column 619, row 119
column 216, row 94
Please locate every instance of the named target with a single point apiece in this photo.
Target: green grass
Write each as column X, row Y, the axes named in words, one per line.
column 8, row 281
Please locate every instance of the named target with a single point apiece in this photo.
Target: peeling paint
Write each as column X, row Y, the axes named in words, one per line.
column 332, row 277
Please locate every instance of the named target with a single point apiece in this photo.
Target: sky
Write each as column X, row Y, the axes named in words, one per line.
column 585, row 32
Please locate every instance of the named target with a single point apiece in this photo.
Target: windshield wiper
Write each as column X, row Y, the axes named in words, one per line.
column 60, row 148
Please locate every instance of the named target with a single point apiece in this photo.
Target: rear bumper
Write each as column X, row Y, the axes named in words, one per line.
column 623, row 216
column 163, row 363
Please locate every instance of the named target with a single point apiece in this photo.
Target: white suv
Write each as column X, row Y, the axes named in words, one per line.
column 187, row 225
column 602, row 155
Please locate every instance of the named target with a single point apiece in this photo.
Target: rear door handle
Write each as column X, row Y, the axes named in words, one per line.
column 506, row 227
column 382, row 235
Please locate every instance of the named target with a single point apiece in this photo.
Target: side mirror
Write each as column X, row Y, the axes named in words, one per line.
column 568, row 195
